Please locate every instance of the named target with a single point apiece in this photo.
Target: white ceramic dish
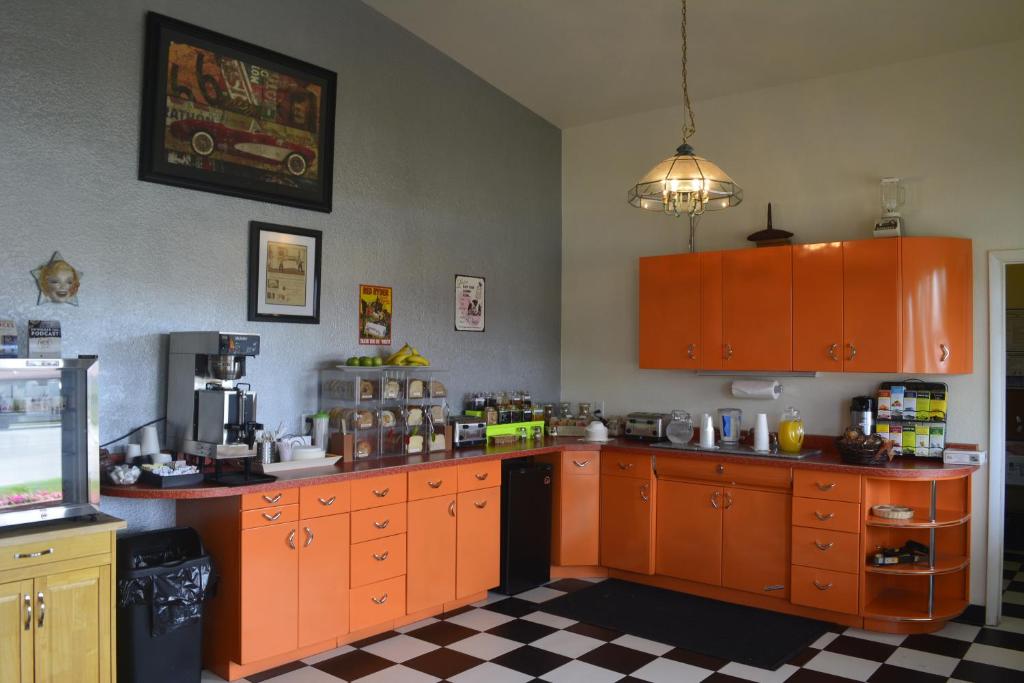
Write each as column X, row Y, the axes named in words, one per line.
column 271, row 468
column 307, row 453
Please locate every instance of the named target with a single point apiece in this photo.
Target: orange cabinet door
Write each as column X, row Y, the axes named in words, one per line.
column 579, row 513
column 627, row 524
column 755, row 541
column 937, row 305
column 689, row 532
column 757, row 309
column 431, row 552
column 669, row 308
column 818, row 307
column 269, row 590
column 710, row 352
column 871, row 310
column 323, row 579
column 478, row 541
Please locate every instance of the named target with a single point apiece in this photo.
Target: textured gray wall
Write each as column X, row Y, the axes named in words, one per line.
column 436, row 173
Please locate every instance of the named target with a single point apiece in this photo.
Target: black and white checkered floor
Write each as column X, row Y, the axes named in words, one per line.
column 512, row 640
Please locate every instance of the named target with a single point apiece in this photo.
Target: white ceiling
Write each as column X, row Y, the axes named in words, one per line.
column 579, row 61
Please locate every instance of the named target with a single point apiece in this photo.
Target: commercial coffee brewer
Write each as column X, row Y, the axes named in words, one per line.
column 210, row 412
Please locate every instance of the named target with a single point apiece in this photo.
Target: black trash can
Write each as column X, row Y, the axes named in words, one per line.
column 163, row 577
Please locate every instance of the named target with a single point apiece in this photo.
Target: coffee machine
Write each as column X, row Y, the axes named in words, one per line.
column 210, row 412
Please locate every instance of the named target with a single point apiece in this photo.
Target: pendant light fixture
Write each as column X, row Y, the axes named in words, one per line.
column 685, row 183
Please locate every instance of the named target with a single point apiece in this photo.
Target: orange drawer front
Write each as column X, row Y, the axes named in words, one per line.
column 267, row 516
column 374, row 561
column 626, row 464
column 323, row 499
column 826, row 514
column 375, row 523
column 824, row 589
column 377, row 491
column 251, row 501
column 432, row 482
column 377, row 603
column 826, row 485
column 581, row 462
column 835, row 550
column 729, row 474
column 479, row 475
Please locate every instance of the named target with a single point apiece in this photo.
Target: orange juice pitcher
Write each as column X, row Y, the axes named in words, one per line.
column 791, row 431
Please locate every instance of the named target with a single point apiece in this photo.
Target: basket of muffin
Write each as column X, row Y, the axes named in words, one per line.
column 857, row 448
column 405, row 428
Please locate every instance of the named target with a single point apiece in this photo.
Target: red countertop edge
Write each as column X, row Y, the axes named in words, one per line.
column 900, row 468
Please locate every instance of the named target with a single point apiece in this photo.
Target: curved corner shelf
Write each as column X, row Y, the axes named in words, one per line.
column 949, row 564
column 921, row 520
column 899, row 605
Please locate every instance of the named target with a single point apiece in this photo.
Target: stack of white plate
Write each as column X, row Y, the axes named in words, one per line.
column 307, row 452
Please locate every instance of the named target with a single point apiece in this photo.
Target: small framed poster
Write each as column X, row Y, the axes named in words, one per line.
column 469, row 303
column 375, row 315
column 284, row 274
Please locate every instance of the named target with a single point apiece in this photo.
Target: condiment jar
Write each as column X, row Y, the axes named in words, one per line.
column 791, row 431
column 680, row 428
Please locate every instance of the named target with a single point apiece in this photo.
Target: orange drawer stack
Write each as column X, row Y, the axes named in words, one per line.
column 378, row 550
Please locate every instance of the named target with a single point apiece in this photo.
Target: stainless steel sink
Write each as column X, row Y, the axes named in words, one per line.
column 737, row 450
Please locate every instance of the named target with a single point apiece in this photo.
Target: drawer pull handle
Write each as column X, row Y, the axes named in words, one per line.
column 728, row 351
column 28, row 612
column 481, row 504
column 728, row 500
column 691, row 351
column 309, row 537
column 272, row 499
column 481, row 475
column 380, row 557
column 32, row 556
column 272, row 518
column 825, row 487
column 720, row 469
column 625, row 465
column 435, row 484
column 451, row 508
column 581, row 464
column 775, row 587
column 382, row 525
column 381, row 494
column 381, row 600
column 714, row 499
column 824, row 517
column 832, row 352
column 823, row 546
column 945, row 353
column 643, row 493
column 853, row 352
column 42, row 609
column 822, row 586
column 329, row 501
column 291, row 539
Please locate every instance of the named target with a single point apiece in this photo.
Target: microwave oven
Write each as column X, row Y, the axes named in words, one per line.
column 49, row 439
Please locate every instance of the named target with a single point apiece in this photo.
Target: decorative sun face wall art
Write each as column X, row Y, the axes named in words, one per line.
column 58, row 281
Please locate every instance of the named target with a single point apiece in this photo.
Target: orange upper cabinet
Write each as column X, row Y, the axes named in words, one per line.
column 627, row 524
column 937, row 305
column 757, row 309
column 669, row 329
column 871, row 306
column 711, row 310
column 818, row 307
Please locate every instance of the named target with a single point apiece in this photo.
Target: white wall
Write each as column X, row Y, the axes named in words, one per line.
column 952, row 126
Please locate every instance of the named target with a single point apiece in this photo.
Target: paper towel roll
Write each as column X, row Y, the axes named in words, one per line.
column 766, row 389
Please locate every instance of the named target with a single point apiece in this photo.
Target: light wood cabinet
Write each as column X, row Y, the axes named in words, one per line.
column 72, row 609
column 16, row 631
column 689, row 531
column 669, row 312
column 478, row 542
column 627, row 522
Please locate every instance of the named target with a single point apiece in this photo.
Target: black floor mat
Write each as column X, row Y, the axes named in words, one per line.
column 735, row 633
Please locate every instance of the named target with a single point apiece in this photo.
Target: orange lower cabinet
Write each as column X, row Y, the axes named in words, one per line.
column 824, row 589
column 627, row 524
column 269, row 591
column 478, row 541
column 579, row 516
column 377, row 603
column 373, row 561
column 755, row 541
column 323, row 579
column 689, row 532
column 431, row 552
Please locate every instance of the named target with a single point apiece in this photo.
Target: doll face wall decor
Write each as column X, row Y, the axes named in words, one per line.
column 58, row 281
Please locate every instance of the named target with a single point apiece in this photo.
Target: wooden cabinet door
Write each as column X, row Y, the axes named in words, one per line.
column 627, row 524
column 579, row 513
column 16, row 622
column 669, row 307
column 818, row 307
column 757, row 309
column 323, row 578
column 689, row 532
column 755, row 541
column 72, row 626
column 871, row 310
column 478, row 541
column 937, row 305
column 430, row 563
column 710, row 352
column 269, row 591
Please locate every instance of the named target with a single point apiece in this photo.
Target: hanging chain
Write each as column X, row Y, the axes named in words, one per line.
column 689, row 125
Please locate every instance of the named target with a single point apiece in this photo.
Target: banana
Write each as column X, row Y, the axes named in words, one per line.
column 398, row 356
column 417, row 359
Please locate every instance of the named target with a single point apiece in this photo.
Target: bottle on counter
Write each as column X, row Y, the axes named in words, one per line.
column 791, row 431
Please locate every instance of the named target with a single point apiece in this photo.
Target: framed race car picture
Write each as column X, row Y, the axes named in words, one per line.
column 221, row 115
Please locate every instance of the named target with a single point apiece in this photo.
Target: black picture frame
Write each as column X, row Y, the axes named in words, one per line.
column 254, row 145
column 263, row 311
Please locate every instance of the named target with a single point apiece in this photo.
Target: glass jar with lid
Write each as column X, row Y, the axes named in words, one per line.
column 585, row 414
column 564, row 410
column 680, row 428
column 791, row 431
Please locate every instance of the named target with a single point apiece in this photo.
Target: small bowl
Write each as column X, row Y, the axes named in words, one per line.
column 307, row 452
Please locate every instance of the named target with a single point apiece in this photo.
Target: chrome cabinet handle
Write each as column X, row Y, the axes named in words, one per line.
column 32, row 556
column 728, row 500
column 272, row 500
column 382, row 525
column 380, row 557
column 381, row 600
column 451, row 508
column 728, row 351
column 481, row 504
column 824, row 517
column 832, row 352
column 720, row 469
column 823, row 546
column 435, row 484
column 945, row 353
column 272, row 518
column 381, row 494
column 691, row 351
column 775, row 587
column 28, row 612
column 328, row 502
column 643, row 493
column 42, row 609
column 625, row 465
column 822, row 587
column 481, row 475
column 853, row 352
column 714, row 499
column 581, row 464
column 825, row 487
column 309, row 537
column 291, row 539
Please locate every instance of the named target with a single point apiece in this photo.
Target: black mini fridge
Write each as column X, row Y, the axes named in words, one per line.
column 525, row 525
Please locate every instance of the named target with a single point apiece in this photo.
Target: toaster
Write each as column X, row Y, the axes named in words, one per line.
column 468, row 431
column 645, row 426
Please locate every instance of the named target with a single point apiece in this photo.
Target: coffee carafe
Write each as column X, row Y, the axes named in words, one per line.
column 862, row 413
